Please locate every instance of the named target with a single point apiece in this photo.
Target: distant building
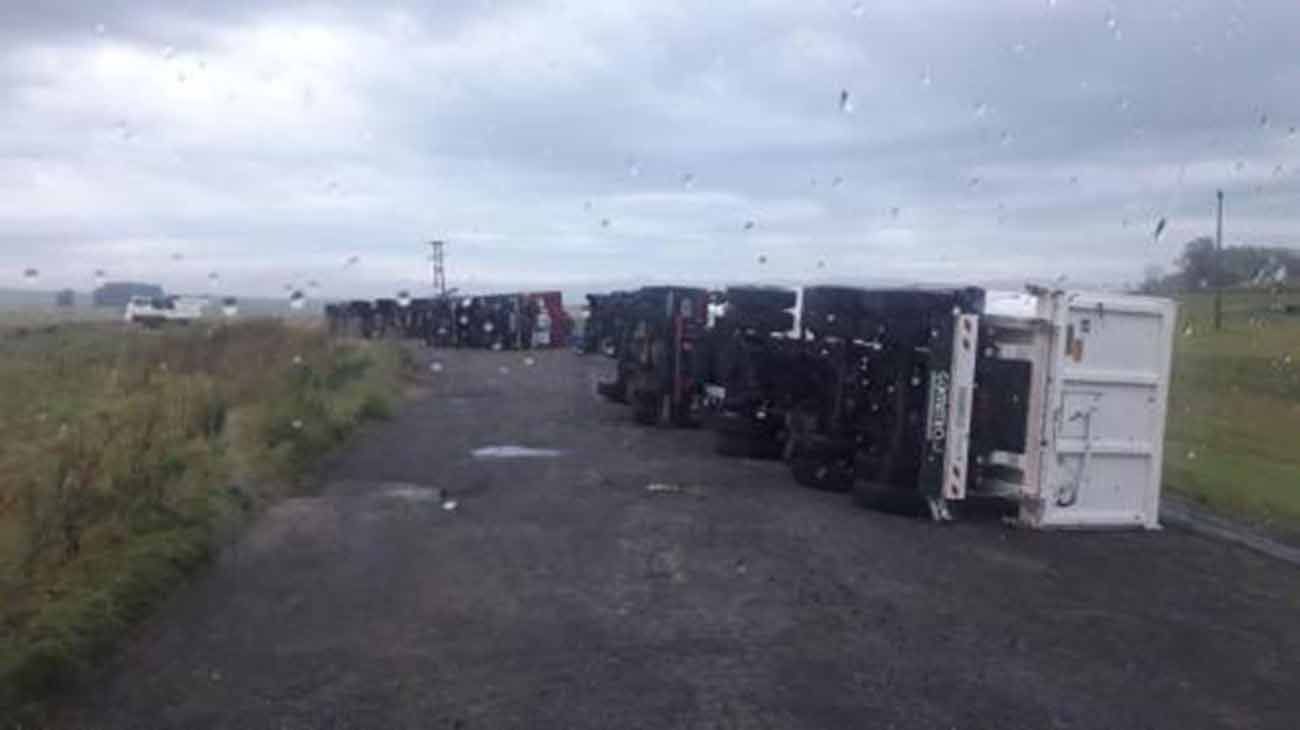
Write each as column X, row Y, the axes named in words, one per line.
column 65, row 298
column 118, row 293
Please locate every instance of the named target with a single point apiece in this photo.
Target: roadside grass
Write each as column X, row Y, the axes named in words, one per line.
column 1233, row 435
column 127, row 456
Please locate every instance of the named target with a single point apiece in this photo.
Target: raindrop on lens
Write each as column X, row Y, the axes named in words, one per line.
column 403, row 299
column 846, row 101
column 435, row 367
column 297, row 424
column 529, row 362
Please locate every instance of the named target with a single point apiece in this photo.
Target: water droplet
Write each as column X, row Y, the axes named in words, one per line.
column 496, row 347
column 1160, row 230
column 762, row 259
column 688, row 181
column 229, row 307
column 450, row 505
column 177, row 256
column 981, row 109
column 1112, row 23
column 313, row 284
column 927, row 78
column 100, row 28
column 403, row 299
column 1018, row 49
column 973, row 182
column 529, row 361
column 1074, row 179
column 846, row 101
column 297, row 359
column 168, row 52
column 915, row 381
column 1278, row 170
column 837, row 181
column 633, row 168
column 1005, row 138
column 464, row 320
column 1051, row 3
column 351, row 261
column 1188, row 331
column 1264, row 121
column 1122, row 104
column 435, row 367
column 213, row 276
column 749, row 225
column 297, row 299
column 1290, row 132
column 1191, row 455
column 1239, row 166
column 100, row 275
column 821, row 264
column 297, row 424
column 503, row 370
column 31, row 274
column 858, row 10
column 488, row 327
column 604, row 223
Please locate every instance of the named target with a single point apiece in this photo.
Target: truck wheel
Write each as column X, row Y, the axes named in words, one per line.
column 885, row 498
column 615, row 390
column 746, row 446
column 821, row 473
column 645, row 408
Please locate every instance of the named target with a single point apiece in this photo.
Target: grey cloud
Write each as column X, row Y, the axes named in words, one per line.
column 1013, row 138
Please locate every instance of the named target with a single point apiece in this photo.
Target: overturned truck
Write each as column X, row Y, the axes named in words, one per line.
column 1046, row 406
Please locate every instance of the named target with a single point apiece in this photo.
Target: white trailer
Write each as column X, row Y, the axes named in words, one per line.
column 1090, row 379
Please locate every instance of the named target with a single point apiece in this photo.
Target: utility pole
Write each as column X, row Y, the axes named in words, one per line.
column 1218, row 267
column 439, row 271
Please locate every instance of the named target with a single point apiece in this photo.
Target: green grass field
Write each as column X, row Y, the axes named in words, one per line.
column 1233, row 437
column 129, row 454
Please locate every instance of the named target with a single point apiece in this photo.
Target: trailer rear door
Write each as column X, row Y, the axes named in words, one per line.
column 1107, row 386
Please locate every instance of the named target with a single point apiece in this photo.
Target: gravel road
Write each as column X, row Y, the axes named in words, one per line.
column 562, row 591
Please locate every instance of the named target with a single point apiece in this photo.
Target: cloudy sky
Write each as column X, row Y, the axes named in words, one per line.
column 593, row 144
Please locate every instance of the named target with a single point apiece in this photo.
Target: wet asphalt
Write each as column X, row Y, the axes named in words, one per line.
column 564, row 591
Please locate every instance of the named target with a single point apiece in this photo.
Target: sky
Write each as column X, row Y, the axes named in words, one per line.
column 250, row 148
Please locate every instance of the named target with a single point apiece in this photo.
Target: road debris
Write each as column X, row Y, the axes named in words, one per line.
column 514, row 452
column 668, row 488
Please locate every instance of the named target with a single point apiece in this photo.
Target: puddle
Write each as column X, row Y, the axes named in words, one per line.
column 514, row 452
column 412, row 493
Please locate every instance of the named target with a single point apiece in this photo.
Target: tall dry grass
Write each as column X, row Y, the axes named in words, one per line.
column 124, row 453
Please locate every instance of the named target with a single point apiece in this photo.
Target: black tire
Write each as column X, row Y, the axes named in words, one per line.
column 746, row 445
column 615, row 391
column 821, row 473
column 889, row 499
column 645, row 406
column 760, row 297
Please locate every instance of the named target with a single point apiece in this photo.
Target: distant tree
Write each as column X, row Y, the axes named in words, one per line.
column 1153, row 280
column 1196, row 265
